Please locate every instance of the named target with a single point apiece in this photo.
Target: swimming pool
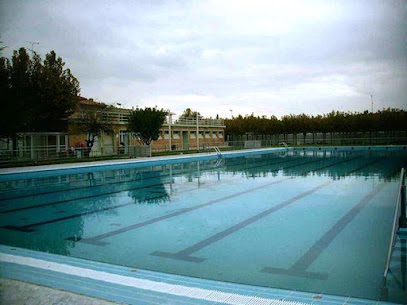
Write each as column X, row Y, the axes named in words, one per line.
column 316, row 220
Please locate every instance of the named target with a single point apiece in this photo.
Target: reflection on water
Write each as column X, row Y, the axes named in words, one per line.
column 287, row 163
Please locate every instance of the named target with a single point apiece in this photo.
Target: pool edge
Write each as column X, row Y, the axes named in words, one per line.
column 140, row 286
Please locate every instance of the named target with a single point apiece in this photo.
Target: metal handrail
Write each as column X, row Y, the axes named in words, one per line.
column 395, row 222
column 192, row 121
column 217, row 150
column 283, row 143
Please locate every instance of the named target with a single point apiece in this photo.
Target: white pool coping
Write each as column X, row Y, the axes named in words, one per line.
column 28, row 169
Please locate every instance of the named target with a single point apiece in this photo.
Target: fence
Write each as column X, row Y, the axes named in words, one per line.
column 319, row 138
column 55, row 153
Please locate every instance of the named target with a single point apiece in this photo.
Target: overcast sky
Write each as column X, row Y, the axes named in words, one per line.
column 266, row 57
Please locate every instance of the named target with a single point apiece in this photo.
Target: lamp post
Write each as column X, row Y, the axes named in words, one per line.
column 170, row 114
column 32, row 43
column 197, row 132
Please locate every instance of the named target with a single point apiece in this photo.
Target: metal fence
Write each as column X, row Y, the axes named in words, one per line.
column 60, row 154
column 42, row 155
column 319, row 138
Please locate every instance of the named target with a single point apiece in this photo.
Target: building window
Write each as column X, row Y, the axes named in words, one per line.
column 207, row 134
column 214, row 135
column 175, row 135
column 167, row 135
column 221, row 134
column 160, row 135
column 192, row 134
column 201, row 134
column 122, row 136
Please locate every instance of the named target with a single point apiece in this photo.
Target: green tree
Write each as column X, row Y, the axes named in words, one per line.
column 35, row 95
column 146, row 123
column 389, row 120
column 2, row 48
column 188, row 113
column 16, row 95
column 92, row 122
column 58, row 90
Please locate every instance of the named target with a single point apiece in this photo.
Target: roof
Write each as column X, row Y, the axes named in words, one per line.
column 91, row 102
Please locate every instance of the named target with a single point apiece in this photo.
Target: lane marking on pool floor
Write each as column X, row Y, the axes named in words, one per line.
column 299, row 268
column 155, row 286
column 96, row 240
column 29, row 227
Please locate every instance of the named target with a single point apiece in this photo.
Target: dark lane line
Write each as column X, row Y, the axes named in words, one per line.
column 96, row 239
column 110, row 183
column 299, row 268
column 28, row 228
column 185, row 255
column 112, row 192
column 301, row 265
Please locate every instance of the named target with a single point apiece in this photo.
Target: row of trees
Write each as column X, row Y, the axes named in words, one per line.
column 40, row 95
column 336, row 121
column 35, row 94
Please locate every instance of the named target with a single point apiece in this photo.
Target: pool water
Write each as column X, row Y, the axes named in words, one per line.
column 315, row 221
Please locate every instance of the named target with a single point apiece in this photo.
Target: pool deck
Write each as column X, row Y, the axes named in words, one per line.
column 126, row 285
column 14, row 292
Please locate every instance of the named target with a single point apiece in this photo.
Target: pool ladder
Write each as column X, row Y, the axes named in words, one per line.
column 399, row 219
column 217, row 150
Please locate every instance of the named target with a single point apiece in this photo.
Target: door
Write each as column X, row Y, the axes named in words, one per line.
column 185, row 140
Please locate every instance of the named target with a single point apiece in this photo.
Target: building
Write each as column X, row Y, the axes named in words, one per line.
column 176, row 135
column 106, row 143
column 190, row 133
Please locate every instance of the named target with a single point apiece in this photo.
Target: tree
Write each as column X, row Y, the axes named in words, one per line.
column 188, row 113
column 146, row 123
column 92, row 122
column 35, row 95
column 335, row 121
column 58, row 90
column 2, row 48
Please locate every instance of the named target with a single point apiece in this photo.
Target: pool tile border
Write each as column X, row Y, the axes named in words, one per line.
column 112, row 282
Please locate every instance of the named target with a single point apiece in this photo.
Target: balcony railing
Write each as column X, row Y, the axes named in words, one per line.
column 120, row 117
column 192, row 122
column 117, row 117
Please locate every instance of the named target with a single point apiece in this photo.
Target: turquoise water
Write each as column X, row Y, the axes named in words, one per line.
column 316, row 221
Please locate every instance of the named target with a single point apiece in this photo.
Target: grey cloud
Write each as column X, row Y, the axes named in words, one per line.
column 141, row 52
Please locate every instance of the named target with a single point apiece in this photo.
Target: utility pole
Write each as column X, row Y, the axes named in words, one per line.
column 169, row 128
column 371, row 100
column 32, row 46
column 231, row 113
